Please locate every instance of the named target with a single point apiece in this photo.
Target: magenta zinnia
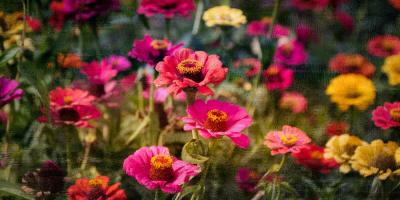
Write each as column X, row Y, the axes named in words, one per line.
column 387, row 116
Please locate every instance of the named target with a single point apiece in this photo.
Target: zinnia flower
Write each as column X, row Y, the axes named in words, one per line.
column 277, row 77
column 71, row 107
column 341, row 148
column 186, row 68
column 351, row 63
column 85, row 10
column 154, row 168
column 99, row 72
column 120, row 63
column 290, row 139
column 391, row 68
column 252, row 66
column 336, row 128
column 384, row 45
column 33, row 23
column 293, row 101
column 310, row 4
column 97, row 188
column 345, row 20
column 261, row 28
column 305, row 33
column 312, row 157
column 215, row 119
column 70, row 60
column 224, row 16
column 387, row 116
column 290, row 52
column 247, row 179
column 58, row 16
column 395, row 4
column 9, row 91
column 351, row 90
column 376, row 158
column 168, row 8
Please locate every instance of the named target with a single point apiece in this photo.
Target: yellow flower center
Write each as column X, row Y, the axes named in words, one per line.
column 159, row 44
column 288, row 140
column 189, row 67
column 387, row 45
column 216, row 120
column 395, row 114
column 161, row 168
column 316, row 155
column 96, row 182
column 273, row 71
column 67, row 99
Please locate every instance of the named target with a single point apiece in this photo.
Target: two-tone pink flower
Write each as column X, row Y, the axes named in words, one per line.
column 289, row 140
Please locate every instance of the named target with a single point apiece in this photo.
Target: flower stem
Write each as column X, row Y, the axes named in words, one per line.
column 85, row 156
column 151, row 98
column 68, row 152
column 197, row 19
column 157, row 195
column 275, row 13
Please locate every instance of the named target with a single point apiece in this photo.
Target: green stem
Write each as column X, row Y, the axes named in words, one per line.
column 203, row 178
column 85, row 156
column 275, row 13
column 68, row 151
column 272, row 170
column 197, row 19
column 157, row 195
column 151, row 98
column 167, row 27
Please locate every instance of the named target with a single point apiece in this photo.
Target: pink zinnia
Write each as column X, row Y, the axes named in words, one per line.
column 186, row 68
column 99, row 72
column 154, row 168
column 34, row 23
column 290, row 52
column 85, row 10
column 261, row 28
column 384, row 45
column 71, row 107
column 293, row 101
column 310, row 4
column 168, row 8
column 277, row 77
column 305, row 33
column 387, row 116
column 9, row 91
column 252, row 66
column 152, row 51
column 119, row 63
column 290, row 139
column 215, row 119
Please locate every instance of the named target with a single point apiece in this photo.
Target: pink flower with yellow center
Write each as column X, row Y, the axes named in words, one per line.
column 290, row 52
column 277, row 77
column 188, row 69
column 387, row 116
column 154, row 168
column 215, row 119
column 294, row 102
column 384, row 45
column 290, row 139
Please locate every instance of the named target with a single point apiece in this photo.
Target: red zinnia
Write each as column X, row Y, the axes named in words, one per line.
column 336, row 128
column 97, row 188
column 312, row 157
column 167, row 8
column 310, row 4
column 351, row 63
column 384, row 45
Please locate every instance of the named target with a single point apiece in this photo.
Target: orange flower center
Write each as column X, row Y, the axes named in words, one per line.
column 161, row 168
column 266, row 20
column 287, row 48
column 288, row 140
column 96, row 182
column 216, row 120
column 273, row 71
column 189, row 67
column 159, row 44
column 316, row 155
column 395, row 114
column 67, row 99
column 387, row 44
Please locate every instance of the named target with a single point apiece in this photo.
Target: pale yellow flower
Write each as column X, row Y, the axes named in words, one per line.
column 391, row 68
column 224, row 16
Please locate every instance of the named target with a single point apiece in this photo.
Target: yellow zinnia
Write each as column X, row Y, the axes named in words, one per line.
column 341, row 148
column 377, row 158
column 351, row 90
column 224, row 16
column 391, row 68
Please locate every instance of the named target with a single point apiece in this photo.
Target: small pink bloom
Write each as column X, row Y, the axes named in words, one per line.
column 186, row 68
column 277, row 77
column 99, row 72
column 252, row 66
column 345, row 20
column 305, row 33
column 247, row 179
column 310, row 4
column 387, row 116
column 119, row 63
column 290, row 139
column 293, row 101
column 290, row 52
column 34, row 23
column 261, row 28
column 154, row 168
column 384, row 45
column 152, row 51
column 168, row 8
column 215, row 119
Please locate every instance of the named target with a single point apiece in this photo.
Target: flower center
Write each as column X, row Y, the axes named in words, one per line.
column 353, row 94
column 288, row 140
column 273, row 71
column 159, row 44
column 216, row 120
column 387, row 45
column 287, row 48
column 67, row 99
column 161, row 168
column 68, row 115
column 316, row 155
column 190, row 68
column 96, row 182
column 395, row 114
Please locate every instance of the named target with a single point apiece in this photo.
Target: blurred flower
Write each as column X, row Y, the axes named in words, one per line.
column 290, row 139
column 395, row 4
column 186, row 68
column 96, row 189
column 224, row 16
column 290, row 52
column 119, row 63
column 168, row 8
column 341, row 148
column 251, row 65
column 71, row 107
column 152, row 51
column 33, row 23
column 336, row 128
column 247, row 179
column 45, row 182
column 305, row 33
column 351, row 63
column 154, row 168
column 391, row 68
column 345, row 20
column 215, row 119
column 310, row 4
column 387, row 116
column 85, row 10
column 99, row 72
column 312, row 156
column 70, row 60
column 336, row 3
column 9, row 91
column 3, row 118
column 351, row 90
column 384, row 45
column 293, row 101
column 261, row 28
column 376, row 158
column 58, row 15
column 12, row 26
column 277, row 77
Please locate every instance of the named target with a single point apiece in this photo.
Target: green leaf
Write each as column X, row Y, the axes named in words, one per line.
column 13, row 189
column 8, row 55
column 192, row 152
column 145, row 22
column 186, row 191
